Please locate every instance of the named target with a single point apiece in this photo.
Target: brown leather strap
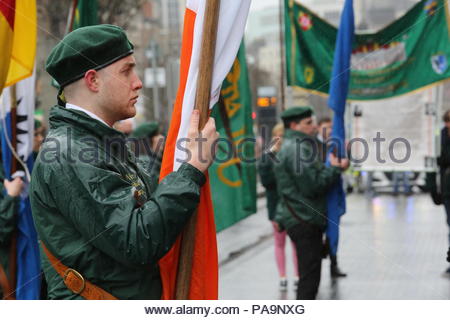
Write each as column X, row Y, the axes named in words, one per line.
column 75, row 281
column 294, row 214
column 291, row 210
column 5, row 285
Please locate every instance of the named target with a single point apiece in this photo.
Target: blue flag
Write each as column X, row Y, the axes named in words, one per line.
column 337, row 100
column 28, row 270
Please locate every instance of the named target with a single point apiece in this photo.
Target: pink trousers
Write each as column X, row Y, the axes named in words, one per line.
column 280, row 252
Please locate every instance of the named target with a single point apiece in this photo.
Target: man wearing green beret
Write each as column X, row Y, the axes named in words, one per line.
column 303, row 181
column 103, row 225
column 149, row 146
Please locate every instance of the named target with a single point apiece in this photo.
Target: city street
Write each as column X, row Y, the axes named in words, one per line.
column 391, row 248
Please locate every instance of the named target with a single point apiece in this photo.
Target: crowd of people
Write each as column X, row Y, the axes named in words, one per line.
column 296, row 191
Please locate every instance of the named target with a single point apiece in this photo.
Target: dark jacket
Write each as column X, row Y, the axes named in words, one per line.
column 8, row 210
column 97, row 210
column 302, row 181
column 444, row 163
column 268, row 180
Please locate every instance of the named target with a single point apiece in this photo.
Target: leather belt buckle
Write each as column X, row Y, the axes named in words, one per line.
column 71, row 283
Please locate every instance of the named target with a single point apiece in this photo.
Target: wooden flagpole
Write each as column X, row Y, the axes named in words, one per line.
column 14, row 167
column 71, row 16
column 13, row 95
column 202, row 100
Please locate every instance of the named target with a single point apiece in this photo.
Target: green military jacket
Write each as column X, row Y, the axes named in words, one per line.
column 303, row 181
column 97, row 211
column 8, row 209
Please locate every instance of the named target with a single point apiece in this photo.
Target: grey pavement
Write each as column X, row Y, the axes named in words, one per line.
column 391, row 247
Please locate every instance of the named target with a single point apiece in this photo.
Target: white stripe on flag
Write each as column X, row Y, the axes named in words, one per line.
column 232, row 20
column 26, row 99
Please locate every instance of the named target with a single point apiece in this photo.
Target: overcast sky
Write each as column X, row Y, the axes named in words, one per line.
column 259, row 4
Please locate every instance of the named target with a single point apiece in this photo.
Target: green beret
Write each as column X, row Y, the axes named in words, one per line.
column 147, row 129
column 93, row 47
column 297, row 112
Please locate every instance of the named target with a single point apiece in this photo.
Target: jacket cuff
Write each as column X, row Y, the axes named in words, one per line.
column 191, row 172
column 7, row 198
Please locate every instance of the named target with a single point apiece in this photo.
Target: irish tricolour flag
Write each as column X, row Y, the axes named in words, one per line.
column 232, row 20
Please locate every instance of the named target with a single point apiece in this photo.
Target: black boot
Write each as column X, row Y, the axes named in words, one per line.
column 335, row 272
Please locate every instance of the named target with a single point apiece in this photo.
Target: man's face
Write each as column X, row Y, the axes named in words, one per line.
column 325, row 130
column 119, row 89
column 307, row 126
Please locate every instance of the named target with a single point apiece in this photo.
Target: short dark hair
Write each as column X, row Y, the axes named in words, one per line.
column 446, row 116
column 287, row 122
column 323, row 120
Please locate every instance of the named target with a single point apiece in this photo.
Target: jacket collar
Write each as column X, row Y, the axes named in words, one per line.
column 60, row 116
column 90, row 114
column 292, row 134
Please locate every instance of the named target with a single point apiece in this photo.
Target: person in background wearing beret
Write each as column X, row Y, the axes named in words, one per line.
column 103, row 225
column 303, row 182
column 149, row 147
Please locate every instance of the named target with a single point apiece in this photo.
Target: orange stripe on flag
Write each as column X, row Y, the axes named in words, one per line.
column 204, row 277
column 186, row 53
column 205, row 268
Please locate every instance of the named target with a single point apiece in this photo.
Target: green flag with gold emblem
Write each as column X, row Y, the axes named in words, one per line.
column 233, row 173
column 411, row 53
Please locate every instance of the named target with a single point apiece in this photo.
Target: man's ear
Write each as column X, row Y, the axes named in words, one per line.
column 91, row 80
column 292, row 125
